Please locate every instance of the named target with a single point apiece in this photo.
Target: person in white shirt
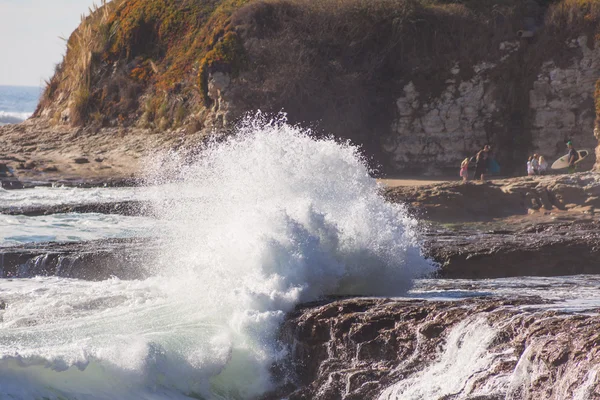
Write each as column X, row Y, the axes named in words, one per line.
column 543, row 166
column 530, row 170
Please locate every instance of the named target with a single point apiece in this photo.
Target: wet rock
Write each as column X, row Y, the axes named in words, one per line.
column 130, row 208
column 10, row 183
column 93, row 260
column 535, row 354
column 567, row 248
column 432, row 330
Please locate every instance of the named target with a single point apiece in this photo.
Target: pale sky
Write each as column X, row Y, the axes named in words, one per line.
column 30, row 46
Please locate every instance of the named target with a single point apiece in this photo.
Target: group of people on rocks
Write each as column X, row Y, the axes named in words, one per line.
column 537, row 165
column 482, row 160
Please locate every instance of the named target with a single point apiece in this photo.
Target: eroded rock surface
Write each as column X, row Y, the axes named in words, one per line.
column 477, row 201
column 552, row 249
column 93, row 260
column 359, row 348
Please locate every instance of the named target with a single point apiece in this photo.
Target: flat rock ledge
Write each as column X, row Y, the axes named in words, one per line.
column 128, row 208
column 550, row 249
column 93, row 260
column 502, row 198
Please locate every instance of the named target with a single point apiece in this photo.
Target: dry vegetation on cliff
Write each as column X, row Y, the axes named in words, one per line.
column 148, row 60
column 140, row 60
column 335, row 64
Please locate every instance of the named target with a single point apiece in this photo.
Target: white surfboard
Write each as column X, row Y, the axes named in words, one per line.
column 563, row 162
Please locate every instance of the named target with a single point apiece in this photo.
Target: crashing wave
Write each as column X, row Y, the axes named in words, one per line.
column 8, row 117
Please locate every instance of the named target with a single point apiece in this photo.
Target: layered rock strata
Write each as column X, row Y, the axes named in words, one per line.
column 94, row 260
column 477, row 201
column 130, row 208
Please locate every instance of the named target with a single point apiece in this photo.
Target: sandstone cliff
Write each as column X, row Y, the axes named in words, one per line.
column 420, row 85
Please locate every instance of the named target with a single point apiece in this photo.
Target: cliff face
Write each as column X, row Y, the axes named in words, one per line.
column 420, row 85
column 518, row 115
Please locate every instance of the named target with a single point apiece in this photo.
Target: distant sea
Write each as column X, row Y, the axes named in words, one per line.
column 17, row 103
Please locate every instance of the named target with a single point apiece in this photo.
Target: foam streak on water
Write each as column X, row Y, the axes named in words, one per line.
column 71, row 227
column 265, row 220
column 51, row 196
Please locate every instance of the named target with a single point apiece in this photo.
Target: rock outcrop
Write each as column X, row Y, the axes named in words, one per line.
column 93, row 260
column 554, row 104
column 122, row 208
column 549, row 249
column 419, row 85
column 477, row 201
column 470, row 349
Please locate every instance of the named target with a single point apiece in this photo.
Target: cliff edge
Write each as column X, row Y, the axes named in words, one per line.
column 419, row 85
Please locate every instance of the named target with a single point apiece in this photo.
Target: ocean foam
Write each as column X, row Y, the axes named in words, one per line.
column 465, row 361
column 7, row 117
column 277, row 219
column 253, row 226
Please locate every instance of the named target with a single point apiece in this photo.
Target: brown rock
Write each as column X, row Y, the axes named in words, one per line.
column 553, row 352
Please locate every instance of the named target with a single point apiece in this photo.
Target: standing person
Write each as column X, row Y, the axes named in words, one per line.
column 573, row 157
column 464, row 169
column 535, row 165
column 543, row 168
column 481, row 165
column 530, row 166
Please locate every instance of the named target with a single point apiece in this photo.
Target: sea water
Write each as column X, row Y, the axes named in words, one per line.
column 251, row 227
column 17, row 103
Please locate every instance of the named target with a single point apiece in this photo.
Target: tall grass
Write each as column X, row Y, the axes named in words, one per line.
column 73, row 76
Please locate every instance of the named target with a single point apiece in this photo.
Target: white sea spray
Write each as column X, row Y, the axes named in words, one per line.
column 250, row 227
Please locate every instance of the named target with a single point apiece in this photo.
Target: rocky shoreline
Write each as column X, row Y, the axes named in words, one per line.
column 550, row 227
column 536, row 196
column 93, row 260
column 42, row 154
column 546, row 249
column 127, row 208
column 357, row 348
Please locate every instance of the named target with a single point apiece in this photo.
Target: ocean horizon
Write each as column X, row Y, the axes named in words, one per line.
column 17, row 103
